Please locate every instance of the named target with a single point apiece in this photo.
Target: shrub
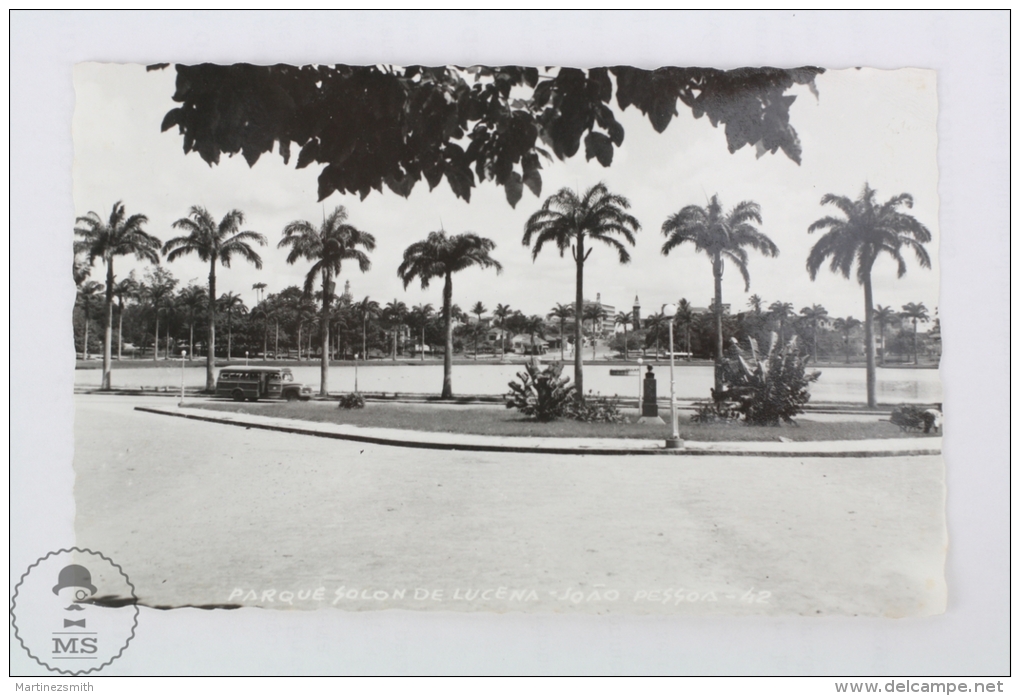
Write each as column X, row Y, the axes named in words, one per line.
column 766, row 388
column 541, row 394
column 595, row 409
column 716, row 412
column 914, row 417
column 352, row 400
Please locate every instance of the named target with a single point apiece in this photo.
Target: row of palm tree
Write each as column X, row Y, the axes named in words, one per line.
column 567, row 220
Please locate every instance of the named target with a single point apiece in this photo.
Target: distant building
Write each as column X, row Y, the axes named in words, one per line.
column 607, row 325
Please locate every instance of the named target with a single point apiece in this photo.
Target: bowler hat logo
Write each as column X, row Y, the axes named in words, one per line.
column 74, row 611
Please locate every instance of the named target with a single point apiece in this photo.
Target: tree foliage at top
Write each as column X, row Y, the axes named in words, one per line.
column 370, row 126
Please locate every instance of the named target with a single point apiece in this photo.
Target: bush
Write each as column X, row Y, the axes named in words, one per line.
column 914, row 417
column 352, row 400
column 766, row 388
column 595, row 409
column 716, row 412
column 541, row 394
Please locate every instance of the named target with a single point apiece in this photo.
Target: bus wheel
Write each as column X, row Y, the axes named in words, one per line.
column 291, row 396
column 238, row 395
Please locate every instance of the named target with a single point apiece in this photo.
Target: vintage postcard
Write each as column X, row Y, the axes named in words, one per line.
column 510, row 339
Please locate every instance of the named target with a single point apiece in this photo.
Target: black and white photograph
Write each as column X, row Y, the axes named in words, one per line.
column 606, row 340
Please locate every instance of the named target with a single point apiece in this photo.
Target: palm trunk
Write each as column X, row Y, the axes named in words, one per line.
column 915, row 341
column 210, row 346
column 120, row 332
column 299, row 341
column 230, row 335
column 168, row 347
column 814, row 343
column 276, row 342
column 881, row 328
column 626, row 352
column 869, row 341
column 191, row 340
column 155, row 339
column 108, row 332
column 717, row 272
column 324, row 323
column 448, row 324
column 579, row 313
column 364, row 337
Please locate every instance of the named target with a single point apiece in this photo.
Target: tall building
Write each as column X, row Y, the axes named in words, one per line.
column 636, row 316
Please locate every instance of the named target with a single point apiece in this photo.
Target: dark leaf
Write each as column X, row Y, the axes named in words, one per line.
column 599, row 146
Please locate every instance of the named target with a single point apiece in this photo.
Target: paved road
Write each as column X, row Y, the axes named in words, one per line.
column 201, row 513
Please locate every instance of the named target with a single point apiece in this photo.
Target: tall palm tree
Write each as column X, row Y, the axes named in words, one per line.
column 722, row 237
column 865, row 230
column 845, row 326
column 125, row 290
column 440, row 256
column 88, row 293
column 419, row 319
column 814, row 315
column 214, row 243
column 260, row 291
column 569, row 221
column 624, row 319
column 327, row 247
column 915, row 312
column 501, row 312
column 119, row 235
column 230, row 303
column 883, row 315
column 365, row 310
column 394, row 315
column 781, row 311
column 478, row 310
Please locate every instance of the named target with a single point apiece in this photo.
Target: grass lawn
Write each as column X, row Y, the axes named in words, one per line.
column 491, row 420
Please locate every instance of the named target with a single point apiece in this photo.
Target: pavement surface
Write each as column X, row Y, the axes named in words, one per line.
column 555, row 445
column 215, row 515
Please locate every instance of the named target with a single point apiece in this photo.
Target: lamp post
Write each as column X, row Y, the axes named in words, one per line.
column 184, row 357
column 640, row 362
column 669, row 311
column 355, row 373
column 246, row 358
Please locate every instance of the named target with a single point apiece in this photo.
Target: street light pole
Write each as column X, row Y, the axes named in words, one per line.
column 184, row 357
column 674, row 442
column 355, row 373
column 246, row 358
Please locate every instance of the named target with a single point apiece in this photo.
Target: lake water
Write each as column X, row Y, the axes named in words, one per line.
column 895, row 385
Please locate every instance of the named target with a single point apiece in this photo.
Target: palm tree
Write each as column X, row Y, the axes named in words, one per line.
column 192, row 300
column 230, row 303
column 213, row 243
column 845, row 326
column 781, row 311
column 117, row 236
column 568, row 221
column 596, row 314
column 478, row 310
column 501, row 312
column 624, row 318
column 866, row 230
column 685, row 319
column 440, row 256
column 327, row 247
column 87, row 295
column 365, row 310
column 561, row 312
column 721, row 236
column 260, row 291
column 419, row 318
column 755, row 303
column 883, row 315
column 814, row 315
column 534, row 326
column 915, row 312
column 394, row 315
column 126, row 289
column 654, row 324
column 158, row 290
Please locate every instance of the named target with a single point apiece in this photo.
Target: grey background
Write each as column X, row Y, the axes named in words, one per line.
column 970, row 51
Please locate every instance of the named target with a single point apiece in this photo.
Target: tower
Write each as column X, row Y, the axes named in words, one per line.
column 636, row 321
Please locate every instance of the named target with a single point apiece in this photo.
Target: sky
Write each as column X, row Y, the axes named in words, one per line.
column 865, row 125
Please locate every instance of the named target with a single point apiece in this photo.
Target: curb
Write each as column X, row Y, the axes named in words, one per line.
column 531, row 449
